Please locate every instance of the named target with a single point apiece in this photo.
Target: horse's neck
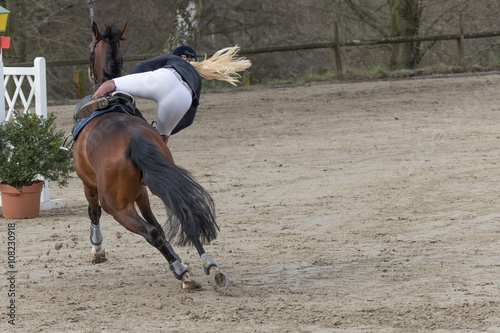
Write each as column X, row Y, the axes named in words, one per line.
column 108, row 62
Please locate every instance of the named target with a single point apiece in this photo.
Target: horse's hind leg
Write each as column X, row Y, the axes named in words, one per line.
column 154, row 235
column 219, row 279
column 144, row 206
column 98, row 253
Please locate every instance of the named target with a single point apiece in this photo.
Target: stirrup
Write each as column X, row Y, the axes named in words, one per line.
column 63, row 145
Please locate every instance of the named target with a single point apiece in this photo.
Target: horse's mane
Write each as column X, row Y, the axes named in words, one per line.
column 115, row 59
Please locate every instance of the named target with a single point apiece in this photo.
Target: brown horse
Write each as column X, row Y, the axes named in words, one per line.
column 117, row 155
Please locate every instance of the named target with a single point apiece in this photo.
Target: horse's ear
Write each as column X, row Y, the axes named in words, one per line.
column 122, row 30
column 95, row 30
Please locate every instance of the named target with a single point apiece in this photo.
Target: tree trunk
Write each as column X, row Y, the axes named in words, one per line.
column 405, row 21
column 185, row 30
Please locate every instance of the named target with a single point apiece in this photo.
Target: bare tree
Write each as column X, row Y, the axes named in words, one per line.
column 187, row 21
column 44, row 27
column 405, row 21
column 60, row 30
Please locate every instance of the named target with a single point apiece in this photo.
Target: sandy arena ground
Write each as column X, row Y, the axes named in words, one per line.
column 343, row 207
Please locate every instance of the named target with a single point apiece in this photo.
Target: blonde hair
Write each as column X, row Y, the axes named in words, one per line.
column 222, row 65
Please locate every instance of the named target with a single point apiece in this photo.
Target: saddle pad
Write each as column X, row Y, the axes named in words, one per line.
column 80, row 124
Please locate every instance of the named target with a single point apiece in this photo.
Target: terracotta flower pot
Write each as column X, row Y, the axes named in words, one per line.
column 21, row 205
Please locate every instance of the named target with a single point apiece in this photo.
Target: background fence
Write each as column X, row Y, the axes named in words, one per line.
column 336, row 46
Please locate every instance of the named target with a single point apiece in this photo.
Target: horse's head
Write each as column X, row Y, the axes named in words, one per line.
column 105, row 60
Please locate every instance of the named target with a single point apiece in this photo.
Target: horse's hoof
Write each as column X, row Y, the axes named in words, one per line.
column 98, row 255
column 220, row 280
column 188, row 284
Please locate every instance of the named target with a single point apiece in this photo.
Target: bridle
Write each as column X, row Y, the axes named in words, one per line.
column 95, row 84
column 116, row 48
column 92, row 56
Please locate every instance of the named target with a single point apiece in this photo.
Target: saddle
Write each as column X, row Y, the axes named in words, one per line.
column 87, row 106
column 117, row 101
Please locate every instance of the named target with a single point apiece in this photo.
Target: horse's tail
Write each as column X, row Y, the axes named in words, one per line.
column 190, row 207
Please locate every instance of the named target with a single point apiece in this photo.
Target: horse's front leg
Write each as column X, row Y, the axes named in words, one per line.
column 98, row 254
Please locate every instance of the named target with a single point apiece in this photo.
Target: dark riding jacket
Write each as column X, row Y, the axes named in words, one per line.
column 188, row 73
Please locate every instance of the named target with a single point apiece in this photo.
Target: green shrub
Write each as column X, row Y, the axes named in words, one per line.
column 29, row 146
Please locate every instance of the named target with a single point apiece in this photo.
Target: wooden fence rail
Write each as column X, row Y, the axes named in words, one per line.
column 336, row 46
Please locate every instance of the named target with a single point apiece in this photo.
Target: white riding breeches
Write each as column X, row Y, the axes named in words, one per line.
column 162, row 86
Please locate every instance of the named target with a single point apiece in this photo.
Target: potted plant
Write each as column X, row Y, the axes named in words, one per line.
column 29, row 148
